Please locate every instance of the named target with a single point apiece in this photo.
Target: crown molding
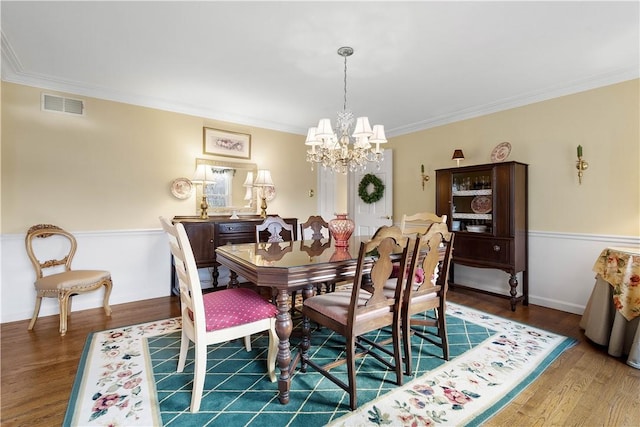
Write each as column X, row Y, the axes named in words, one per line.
column 13, row 72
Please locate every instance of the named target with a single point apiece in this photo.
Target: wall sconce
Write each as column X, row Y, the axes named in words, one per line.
column 263, row 180
column 581, row 165
column 457, row 156
column 425, row 178
column 203, row 175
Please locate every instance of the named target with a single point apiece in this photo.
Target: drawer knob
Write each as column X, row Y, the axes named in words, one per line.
column 496, row 248
column 211, row 241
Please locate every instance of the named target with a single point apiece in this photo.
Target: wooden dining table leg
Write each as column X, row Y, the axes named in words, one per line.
column 284, row 326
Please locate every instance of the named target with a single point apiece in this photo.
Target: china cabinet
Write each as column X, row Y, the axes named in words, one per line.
column 206, row 235
column 486, row 206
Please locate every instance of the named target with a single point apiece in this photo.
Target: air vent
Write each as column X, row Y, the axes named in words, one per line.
column 62, row 105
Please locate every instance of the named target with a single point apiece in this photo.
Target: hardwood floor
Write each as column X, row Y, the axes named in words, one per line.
column 583, row 387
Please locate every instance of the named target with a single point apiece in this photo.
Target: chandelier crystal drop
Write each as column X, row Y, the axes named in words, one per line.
column 353, row 145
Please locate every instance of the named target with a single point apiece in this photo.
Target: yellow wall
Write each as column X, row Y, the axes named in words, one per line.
column 112, row 168
column 605, row 121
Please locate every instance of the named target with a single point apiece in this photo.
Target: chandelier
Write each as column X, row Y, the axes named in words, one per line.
column 349, row 148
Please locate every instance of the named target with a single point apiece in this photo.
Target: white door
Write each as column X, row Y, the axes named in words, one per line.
column 371, row 216
column 326, row 193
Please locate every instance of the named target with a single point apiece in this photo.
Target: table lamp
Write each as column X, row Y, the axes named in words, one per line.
column 263, row 180
column 203, row 175
column 457, row 156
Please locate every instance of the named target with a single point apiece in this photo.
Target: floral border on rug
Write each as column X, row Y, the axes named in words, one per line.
column 473, row 386
column 118, row 389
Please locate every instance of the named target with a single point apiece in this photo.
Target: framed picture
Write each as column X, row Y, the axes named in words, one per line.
column 225, row 143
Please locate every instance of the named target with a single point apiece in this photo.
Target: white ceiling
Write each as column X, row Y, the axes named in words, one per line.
column 274, row 64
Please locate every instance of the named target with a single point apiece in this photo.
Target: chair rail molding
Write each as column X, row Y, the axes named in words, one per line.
column 560, row 268
column 139, row 262
column 560, row 275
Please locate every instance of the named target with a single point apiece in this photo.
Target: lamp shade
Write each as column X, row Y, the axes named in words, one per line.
column 248, row 182
column 324, row 129
column 457, row 155
column 202, row 174
column 363, row 128
column 312, row 139
column 378, row 136
column 263, row 179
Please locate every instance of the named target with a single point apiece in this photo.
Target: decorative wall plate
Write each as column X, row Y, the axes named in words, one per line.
column 501, row 152
column 181, row 188
column 270, row 193
column 481, row 204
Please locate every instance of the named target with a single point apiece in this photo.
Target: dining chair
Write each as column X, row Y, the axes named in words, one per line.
column 215, row 317
column 426, row 292
column 420, row 222
column 61, row 281
column 355, row 312
column 315, row 228
column 271, row 229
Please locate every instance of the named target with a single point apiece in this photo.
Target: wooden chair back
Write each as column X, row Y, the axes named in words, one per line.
column 271, row 230
column 191, row 302
column 67, row 246
column 54, row 276
column 420, row 222
column 315, row 228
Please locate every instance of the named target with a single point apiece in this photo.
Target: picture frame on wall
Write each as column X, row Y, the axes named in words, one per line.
column 225, row 143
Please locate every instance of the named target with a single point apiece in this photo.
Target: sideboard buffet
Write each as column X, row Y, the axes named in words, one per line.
column 486, row 206
column 206, row 235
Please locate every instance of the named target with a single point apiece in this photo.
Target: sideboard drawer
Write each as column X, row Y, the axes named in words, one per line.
column 248, row 228
column 478, row 248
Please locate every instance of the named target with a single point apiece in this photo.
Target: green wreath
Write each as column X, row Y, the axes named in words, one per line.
column 363, row 188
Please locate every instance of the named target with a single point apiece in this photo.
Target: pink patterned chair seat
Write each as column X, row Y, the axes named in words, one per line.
column 233, row 307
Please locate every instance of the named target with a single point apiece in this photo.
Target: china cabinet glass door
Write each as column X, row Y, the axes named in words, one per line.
column 472, row 201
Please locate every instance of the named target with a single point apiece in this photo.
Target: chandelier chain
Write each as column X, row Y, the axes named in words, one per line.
column 344, row 107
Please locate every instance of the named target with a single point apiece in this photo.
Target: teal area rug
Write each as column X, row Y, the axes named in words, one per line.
column 127, row 377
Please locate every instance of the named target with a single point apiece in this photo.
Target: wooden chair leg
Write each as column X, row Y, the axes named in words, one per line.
column 107, row 293
column 64, row 300
column 36, row 311
column 272, row 353
column 184, row 348
column 406, row 342
column 442, row 331
column 351, row 372
column 199, row 373
column 397, row 351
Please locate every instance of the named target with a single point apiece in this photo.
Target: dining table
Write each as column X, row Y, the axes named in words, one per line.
column 292, row 266
column 286, row 267
column 612, row 314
